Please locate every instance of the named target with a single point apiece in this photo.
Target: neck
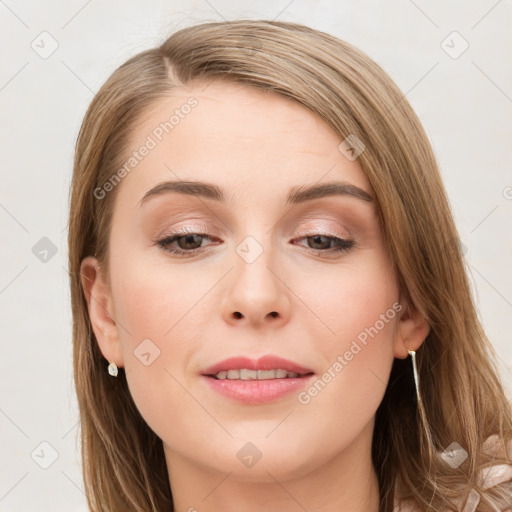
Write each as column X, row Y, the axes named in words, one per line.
column 345, row 483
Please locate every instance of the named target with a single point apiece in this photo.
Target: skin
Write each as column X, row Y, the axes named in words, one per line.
column 256, row 145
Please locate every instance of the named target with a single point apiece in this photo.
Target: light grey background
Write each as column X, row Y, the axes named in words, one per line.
column 465, row 104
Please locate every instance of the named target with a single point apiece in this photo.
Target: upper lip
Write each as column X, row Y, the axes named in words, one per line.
column 268, row 362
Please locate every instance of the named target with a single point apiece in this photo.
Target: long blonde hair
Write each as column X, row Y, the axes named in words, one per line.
column 463, row 401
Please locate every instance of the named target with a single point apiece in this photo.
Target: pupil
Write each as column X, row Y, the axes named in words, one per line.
column 317, row 240
column 189, row 239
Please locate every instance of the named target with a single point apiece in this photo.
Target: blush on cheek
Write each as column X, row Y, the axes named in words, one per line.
column 160, row 315
column 367, row 326
column 362, row 316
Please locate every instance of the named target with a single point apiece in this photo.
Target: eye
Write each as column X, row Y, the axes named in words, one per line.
column 322, row 244
column 187, row 243
column 183, row 243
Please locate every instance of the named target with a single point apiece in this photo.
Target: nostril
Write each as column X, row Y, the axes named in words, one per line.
column 237, row 314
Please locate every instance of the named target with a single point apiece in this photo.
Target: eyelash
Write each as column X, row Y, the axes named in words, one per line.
column 344, row 245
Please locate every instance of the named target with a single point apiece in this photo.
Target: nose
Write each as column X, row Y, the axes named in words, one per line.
column 258, row 293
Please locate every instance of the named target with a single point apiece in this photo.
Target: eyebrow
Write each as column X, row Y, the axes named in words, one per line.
column 296, row 195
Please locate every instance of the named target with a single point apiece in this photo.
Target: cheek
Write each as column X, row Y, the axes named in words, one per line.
column 154, row 309
column 350, row 299
column 358, row 306
column 152, row 300
column 161, row 316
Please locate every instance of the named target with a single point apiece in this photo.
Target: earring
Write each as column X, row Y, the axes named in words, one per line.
column 426, row 431
column 112, row 369
column 412, row 353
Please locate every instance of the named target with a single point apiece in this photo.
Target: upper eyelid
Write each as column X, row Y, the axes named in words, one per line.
column 341, row 231
column 304, row 233
column 320, row 230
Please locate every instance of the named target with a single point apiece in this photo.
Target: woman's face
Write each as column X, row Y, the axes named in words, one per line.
column 266, row 270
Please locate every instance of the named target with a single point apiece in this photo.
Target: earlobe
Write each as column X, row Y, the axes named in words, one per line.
column 99, row 304
column 412, row 329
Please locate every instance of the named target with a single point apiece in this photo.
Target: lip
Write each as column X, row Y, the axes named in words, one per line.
column 267, row 362
column 257, row 391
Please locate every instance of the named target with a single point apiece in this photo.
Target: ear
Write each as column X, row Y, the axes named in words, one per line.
column 100, row 306
column 411, row 330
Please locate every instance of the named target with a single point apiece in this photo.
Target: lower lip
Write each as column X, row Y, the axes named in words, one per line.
column 257, row 391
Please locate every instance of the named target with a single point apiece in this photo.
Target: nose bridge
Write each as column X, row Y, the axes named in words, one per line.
column 250, row 249
column 255, row 257
column 256, row 292
column 256, row 241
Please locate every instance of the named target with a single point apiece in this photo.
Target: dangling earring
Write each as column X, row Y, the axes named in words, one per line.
column 412, row 353
column 425, row 430
column 112, row 369
column 421, row 409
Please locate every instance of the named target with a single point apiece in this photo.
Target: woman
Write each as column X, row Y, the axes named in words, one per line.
column 271, row 309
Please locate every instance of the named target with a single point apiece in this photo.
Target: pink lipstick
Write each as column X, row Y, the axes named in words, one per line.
column 256, row 381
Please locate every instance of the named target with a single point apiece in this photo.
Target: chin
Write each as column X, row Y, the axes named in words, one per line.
column 261, row 459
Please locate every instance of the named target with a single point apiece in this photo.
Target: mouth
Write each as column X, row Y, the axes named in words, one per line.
column 247, row 374
column 265, row 368
column 267, row 379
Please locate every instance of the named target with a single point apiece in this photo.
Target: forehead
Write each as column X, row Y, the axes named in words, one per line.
column 236, row 136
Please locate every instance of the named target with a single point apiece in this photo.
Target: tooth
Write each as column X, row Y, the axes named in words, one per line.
column 266, row 374
column 248, row 374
